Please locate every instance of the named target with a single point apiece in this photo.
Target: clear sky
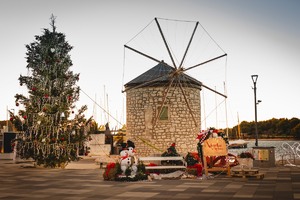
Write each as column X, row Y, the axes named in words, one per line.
column 260, row 37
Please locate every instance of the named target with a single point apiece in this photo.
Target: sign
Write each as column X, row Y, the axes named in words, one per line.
column 215, row 147
column 261, row 154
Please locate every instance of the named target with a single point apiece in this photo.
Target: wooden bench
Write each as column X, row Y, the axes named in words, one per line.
column 157, row 160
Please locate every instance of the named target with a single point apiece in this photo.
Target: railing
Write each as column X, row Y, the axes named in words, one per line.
column 289, row 154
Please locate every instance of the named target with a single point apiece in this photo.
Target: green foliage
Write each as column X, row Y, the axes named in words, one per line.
column 128, row 171
column 191, row 159
column 246, row 155
column 113, row 172
column 271, row 128
column 296, row 131
column 171, row 151
column 141, row 168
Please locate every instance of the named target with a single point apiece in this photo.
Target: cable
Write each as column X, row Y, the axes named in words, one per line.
column 101, row 107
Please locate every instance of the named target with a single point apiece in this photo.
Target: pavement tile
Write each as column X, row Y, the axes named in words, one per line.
column 38, row 183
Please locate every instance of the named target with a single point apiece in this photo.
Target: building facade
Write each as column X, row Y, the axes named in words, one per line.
column 178, row 103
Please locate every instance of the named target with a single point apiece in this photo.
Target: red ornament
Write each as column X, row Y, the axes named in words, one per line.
column 173, row 145
column 17, row 104
column 215, row 131
column 46, row 95
column 33, row 88
column 69, row 98
column 11, row 119
column 25, row 117
column 62, row 139
column 44, row 109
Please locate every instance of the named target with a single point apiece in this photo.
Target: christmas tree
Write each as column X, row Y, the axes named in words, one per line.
column 47, row 133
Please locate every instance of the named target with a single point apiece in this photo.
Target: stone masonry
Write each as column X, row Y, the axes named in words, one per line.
column 150, row 138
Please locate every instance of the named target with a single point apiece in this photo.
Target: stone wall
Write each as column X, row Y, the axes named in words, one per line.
column 97, row 145
column 154, row 138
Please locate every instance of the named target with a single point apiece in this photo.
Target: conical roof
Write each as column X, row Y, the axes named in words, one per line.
column 159, row 76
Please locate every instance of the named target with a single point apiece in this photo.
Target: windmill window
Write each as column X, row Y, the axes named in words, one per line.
column 164, row 114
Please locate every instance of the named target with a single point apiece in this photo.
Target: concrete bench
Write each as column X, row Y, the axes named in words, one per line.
column 157, row 160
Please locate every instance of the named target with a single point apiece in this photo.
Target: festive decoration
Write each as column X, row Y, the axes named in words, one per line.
column 204, row 135
column 171, row 151
column 47, row 137
column 127, row 168
column 214, row 161
column 128, row 161
column 193, row 166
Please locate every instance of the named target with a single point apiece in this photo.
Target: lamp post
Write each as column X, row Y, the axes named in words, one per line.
column 254, row 79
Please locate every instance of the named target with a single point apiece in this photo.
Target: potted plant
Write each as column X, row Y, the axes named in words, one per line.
column 246, row 155
column 245, row 160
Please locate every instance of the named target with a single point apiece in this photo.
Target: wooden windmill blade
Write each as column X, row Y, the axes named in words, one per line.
column 175, row 76
column 163, row 102
column 205, row 62
column 188, row 46
column 188, row 104
column 141, row 53
column 165, row 42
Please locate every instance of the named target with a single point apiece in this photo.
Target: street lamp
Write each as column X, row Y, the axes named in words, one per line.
column 254, row 79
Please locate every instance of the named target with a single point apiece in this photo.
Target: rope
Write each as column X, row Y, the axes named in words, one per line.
column 140, row 32
column 212, row 38
column 147, row 143
column 101, row 107
column 213, row 110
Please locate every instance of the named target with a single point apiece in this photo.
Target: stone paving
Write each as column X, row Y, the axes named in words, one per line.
column 83, row 180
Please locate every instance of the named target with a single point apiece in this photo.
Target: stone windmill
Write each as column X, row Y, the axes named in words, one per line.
column 163, row 104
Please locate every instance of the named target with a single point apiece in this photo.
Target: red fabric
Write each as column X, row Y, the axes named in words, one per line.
column 124, row 157
column 198, row 167
column 109, row 166
column 195, row 155
column 152, row 164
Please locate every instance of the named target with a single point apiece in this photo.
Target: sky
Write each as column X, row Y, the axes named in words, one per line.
column 259, row 37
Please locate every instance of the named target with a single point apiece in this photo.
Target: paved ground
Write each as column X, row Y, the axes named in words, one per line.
column 83, row 180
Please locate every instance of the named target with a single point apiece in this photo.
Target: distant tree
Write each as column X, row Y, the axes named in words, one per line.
column 296, row 131
column 283, row 126
column 294, row 122
column 270, row 128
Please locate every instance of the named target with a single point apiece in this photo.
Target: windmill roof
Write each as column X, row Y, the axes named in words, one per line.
column 159, row 76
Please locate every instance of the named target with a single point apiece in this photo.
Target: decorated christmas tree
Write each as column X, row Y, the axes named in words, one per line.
column 51, row 130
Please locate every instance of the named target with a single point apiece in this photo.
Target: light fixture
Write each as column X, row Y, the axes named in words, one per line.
column 254, row 79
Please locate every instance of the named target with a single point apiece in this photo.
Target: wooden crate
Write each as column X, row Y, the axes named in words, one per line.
column 247, row 173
